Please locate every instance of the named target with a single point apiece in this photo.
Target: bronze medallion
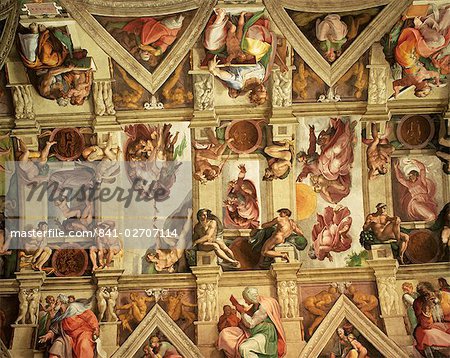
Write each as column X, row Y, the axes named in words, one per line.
column 424, row 247
column 70, row 143
column 247, row 136
column 415, row 131
column 70, row 260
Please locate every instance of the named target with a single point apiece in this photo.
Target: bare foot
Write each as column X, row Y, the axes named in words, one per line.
column 237, row 264
column 396, row 91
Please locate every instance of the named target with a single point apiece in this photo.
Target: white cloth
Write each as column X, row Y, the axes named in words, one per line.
column 29, row 43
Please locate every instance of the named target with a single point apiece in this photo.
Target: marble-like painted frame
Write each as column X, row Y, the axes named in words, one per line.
column 83, row 11
column 331, row 73
column 9, row 11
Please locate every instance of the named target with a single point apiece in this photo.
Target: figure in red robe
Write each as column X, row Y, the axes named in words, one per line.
column 73, row 331
column 155, row 36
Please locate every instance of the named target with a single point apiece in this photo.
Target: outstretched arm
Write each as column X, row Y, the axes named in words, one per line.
column 399, row 175
column 422, row 172
column 223, row 75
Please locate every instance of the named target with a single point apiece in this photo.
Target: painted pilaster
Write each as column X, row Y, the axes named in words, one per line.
column 107, row 282
column 204, row 113
column 285, row 275
column 377, row 109
column 105, row 119
column 385, row 271
column 207, row 300
column 30, row 284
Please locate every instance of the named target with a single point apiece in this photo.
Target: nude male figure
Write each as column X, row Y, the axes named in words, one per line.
column 386, row 228
column 364, row 301
column 203, row 154
column 378, row 153
column 206, row 236
column 31, row 161
column 136, row 310
column 285, row 227
column 319, row 305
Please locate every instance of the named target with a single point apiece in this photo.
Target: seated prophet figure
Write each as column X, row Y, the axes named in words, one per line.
column 251, row 40
column 208, row 236
column 73, row 332
column 62, row 72
column 153, row 37
column 332, row 34
column 428, row 333
column 261, row 333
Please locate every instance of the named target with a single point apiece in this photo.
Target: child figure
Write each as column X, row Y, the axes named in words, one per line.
column 228, row 319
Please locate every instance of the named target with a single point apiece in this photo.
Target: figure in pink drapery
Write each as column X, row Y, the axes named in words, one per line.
column 416, row 192
column 330, row 233
column 241, row 205
column 261, row 332
column 428, row 333
column 330, row 170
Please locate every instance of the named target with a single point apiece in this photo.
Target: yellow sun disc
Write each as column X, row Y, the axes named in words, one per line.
column 306, row 200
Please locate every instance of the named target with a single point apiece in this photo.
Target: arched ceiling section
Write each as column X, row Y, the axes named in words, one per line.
column 83, row 12
column 331, row 73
